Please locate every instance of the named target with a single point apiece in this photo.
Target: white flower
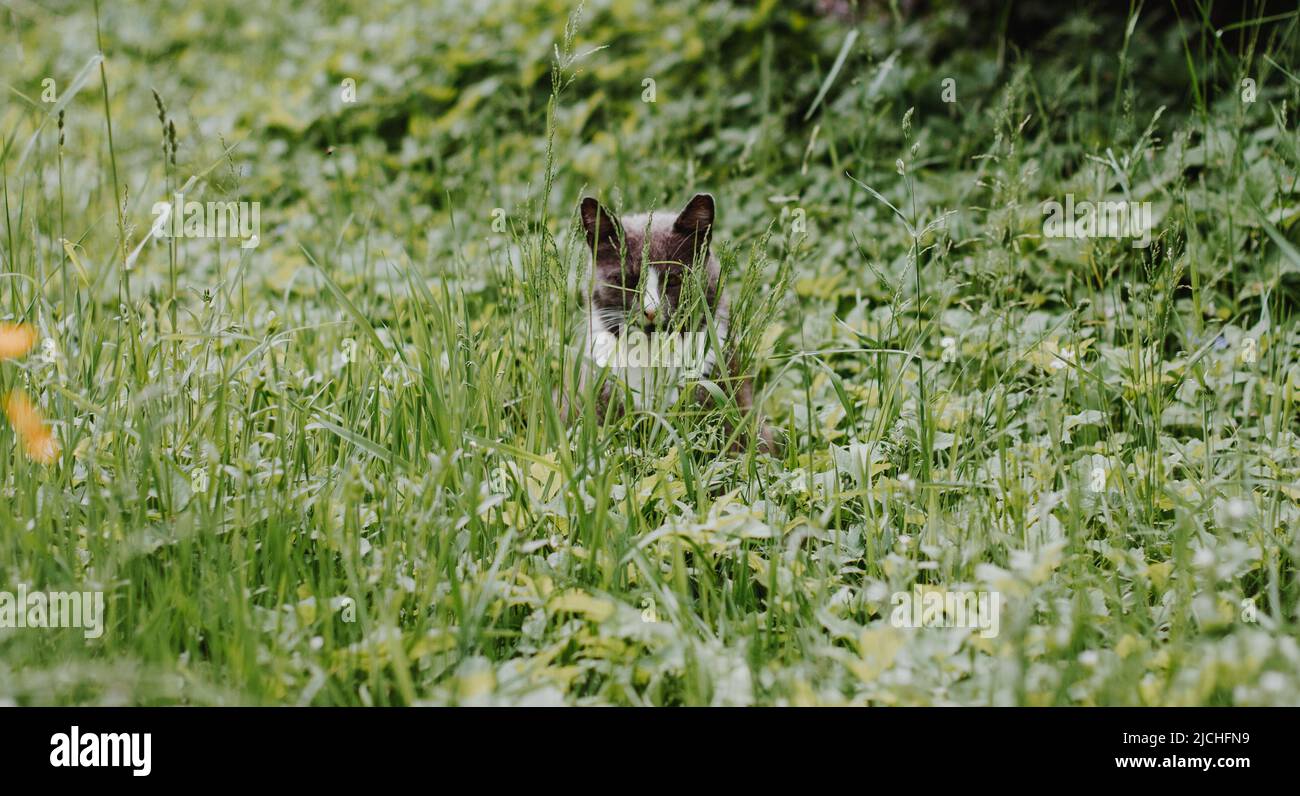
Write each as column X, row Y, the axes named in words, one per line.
column 49, row 351
column 1238, row 509
column 347, row 353
column 949, row 345
column 1063, row 357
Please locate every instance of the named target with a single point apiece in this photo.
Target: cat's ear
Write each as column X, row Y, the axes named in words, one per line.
column 601, row 225
column 695, row 222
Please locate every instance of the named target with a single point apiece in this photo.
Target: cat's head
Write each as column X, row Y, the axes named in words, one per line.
column 641, row 262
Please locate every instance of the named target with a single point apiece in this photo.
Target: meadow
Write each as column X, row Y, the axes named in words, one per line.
column 329, row 466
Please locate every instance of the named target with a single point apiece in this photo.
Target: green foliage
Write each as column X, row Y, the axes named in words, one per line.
column 390, row 508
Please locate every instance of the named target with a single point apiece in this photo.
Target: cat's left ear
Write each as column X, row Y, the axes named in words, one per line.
column 695, row 222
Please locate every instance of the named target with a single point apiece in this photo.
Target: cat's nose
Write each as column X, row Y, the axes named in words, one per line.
column 650, row 313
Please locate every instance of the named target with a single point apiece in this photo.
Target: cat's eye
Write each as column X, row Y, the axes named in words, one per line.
column 621, row 280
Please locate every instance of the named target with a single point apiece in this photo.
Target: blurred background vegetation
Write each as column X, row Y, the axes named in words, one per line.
column 777, row 108
column 452, row 98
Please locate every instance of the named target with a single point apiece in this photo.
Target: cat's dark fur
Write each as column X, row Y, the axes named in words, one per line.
column 639, row 265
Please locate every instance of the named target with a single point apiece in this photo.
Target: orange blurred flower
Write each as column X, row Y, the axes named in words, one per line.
column 16, row 339
column 37, row 438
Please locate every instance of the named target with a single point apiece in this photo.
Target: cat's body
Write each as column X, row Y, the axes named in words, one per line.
column 641, row 265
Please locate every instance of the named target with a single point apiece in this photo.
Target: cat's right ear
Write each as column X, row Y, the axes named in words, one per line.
column 603, row 229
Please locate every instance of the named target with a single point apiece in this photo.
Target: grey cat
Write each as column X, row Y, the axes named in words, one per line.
column 639, row 265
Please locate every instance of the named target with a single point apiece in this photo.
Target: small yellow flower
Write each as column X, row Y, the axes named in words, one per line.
column 16, row 339
column 35, row 435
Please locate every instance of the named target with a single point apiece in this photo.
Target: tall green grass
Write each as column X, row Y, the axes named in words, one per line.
column 392, row 509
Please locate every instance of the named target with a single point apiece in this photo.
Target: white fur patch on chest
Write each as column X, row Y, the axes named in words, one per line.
column 653, row 368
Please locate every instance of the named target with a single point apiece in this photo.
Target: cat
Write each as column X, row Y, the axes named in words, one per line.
column 640, row 264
